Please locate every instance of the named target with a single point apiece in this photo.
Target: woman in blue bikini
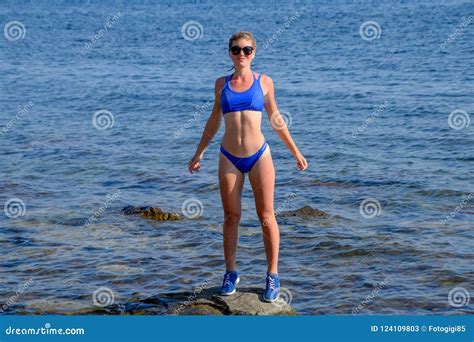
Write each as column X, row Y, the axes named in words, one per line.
column 240, row 99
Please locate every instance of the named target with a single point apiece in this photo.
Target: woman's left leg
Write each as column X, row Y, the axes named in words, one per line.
column 262, row 179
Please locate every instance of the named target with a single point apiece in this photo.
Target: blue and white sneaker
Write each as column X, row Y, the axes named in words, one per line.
column 272, row 290
column 228, row 285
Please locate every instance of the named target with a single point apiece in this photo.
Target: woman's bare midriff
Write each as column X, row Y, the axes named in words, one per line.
column 243, row 136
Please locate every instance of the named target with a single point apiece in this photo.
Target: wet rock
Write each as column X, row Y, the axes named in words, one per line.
column 305, row 212
column 200, row 310
column 203, row 301
column 152, row 213
column 249, row 301
column 246, row 301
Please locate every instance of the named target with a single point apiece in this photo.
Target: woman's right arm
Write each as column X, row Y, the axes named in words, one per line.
column 212, row 126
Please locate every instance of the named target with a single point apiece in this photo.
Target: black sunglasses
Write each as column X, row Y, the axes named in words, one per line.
column 235, row 50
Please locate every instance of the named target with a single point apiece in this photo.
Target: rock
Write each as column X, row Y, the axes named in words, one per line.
column 203, row 301
column 246, row 301
column 156, row 214
column 306, row 212
column 201, row 309
column 249, row 301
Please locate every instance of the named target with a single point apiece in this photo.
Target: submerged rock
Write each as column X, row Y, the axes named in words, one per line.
column 156, row 214
column 306, row 211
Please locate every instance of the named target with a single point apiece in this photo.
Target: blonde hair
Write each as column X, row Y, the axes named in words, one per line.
column 243, row 35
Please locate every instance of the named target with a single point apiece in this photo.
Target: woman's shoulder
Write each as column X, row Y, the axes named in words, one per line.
column 219, row 84
column 220, row 81
column 265, row 78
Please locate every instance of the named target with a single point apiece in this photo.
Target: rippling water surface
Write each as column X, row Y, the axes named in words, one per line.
column 370, row 114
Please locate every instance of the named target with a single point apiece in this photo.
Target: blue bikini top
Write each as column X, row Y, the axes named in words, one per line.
column 251, row 99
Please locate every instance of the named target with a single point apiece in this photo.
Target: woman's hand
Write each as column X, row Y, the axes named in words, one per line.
column 301, row 162
column 195, row 163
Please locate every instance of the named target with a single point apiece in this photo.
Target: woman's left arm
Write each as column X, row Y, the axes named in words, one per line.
column 279, row 124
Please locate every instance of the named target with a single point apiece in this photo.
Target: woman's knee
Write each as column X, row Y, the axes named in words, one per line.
column 232, row 217
column 266, row 217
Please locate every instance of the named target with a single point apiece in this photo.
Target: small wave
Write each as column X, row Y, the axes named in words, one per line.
column 336, row 183
column 121, row 269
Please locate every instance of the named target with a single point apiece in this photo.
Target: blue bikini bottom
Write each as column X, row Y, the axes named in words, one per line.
column 244, row 164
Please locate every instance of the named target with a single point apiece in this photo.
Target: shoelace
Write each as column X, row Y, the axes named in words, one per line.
column 271, row 282
column 227, row 279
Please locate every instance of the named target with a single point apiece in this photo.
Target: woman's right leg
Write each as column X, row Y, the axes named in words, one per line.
column 231, row 182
